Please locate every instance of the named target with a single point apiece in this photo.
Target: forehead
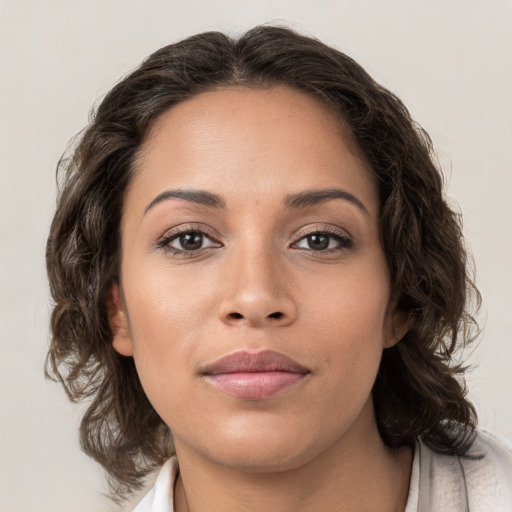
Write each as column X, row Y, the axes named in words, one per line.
column 234, row 138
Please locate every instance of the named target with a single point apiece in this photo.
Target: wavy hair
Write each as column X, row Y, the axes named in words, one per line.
column 419, row 390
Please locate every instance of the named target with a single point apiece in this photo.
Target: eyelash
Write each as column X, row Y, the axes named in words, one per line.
column 165, row 241
column 344, row 242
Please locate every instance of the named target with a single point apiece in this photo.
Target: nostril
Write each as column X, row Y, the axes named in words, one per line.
column 277, row 315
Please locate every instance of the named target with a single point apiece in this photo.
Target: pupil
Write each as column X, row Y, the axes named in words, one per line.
column 191, row 241
column 318, row 242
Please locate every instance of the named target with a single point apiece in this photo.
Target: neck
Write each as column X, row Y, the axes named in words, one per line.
column 358, row 473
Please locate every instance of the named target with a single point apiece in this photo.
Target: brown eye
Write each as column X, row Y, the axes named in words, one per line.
column 317, row 242
column 324, row 241
column 189, row 241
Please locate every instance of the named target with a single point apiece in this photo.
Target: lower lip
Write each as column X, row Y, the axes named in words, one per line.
column 255, row 385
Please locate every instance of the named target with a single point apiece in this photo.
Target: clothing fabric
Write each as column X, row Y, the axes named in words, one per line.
column 480, row 481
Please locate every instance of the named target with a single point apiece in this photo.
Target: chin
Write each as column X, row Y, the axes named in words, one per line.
column 260, row 447
column 262, row 458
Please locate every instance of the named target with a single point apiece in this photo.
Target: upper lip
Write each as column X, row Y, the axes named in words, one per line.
column 251, row 362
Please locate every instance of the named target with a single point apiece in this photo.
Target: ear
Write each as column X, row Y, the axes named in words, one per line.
column 398, row 323
column 118, row 321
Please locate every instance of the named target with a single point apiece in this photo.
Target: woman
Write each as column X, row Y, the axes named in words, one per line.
column 256, row 275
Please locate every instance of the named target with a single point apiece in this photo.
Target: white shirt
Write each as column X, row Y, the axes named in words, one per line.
column 481, row 481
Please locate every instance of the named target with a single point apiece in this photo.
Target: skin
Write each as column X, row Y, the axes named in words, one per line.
column 256, row 284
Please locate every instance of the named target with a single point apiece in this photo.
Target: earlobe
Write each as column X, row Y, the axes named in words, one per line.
column 121, row 336
column 399, row 324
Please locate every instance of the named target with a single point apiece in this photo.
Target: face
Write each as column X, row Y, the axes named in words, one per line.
column 254, row 293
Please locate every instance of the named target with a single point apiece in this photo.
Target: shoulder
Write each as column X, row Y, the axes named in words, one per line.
column 488, row 471
column 493, row 443
column 160, row 497
column 479, row 481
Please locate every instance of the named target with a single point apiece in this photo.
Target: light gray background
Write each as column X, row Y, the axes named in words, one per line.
column 449, row 60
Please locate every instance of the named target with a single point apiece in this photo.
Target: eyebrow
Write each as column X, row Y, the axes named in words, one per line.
column 294, row 201
column 194, row 196
column 314, row 197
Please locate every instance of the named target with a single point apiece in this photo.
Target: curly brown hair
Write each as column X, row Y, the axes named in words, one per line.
column 419, row 389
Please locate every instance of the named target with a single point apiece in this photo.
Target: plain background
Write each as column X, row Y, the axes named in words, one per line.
column 449, row 60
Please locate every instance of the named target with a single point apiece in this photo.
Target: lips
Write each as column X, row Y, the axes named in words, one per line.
column 254, row 375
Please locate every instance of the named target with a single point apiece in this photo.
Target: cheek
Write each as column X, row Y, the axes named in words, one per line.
column 347, row 323
column 165, row 304
column 353, row 304
column 167, row 313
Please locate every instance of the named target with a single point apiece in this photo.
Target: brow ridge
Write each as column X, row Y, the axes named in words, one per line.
column 303, row 199
column 314, row 197
column 194, row 196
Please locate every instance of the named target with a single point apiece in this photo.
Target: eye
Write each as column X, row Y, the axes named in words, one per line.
column 187, row 241
column 324, row 241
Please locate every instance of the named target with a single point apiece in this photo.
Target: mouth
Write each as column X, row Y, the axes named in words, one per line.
column 254, row 375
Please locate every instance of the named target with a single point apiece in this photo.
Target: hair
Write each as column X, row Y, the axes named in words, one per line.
column 420, row 388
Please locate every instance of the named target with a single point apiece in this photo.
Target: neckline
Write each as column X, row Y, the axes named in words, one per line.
column 162, row 497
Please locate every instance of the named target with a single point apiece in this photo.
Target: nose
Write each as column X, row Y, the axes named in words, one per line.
column 255, row 291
